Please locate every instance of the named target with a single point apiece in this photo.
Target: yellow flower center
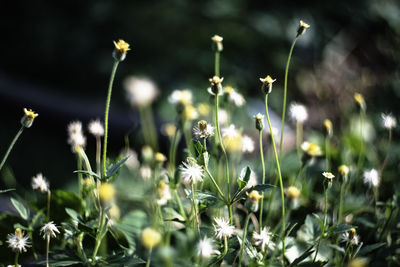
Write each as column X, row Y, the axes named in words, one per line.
column 122, row 46
column 30, row 114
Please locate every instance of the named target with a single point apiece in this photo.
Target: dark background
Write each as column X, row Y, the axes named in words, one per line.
column 55, row 57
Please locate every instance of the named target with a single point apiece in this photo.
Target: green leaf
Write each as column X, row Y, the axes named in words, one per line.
column 90, row 173
column 73, row 214
column 244, row 177
column 321, row 224
column 61, row 258
column 113, row 168
column 198, row 147
column 337, row 229
column 6, row 190
column 367, row 249
column 261, row 187
column 23, row 212
column 303, row 256
column 131, row 226
column 336, row 247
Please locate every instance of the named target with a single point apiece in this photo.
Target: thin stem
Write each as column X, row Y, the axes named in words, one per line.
column 178, row 200
column 172, row 151
column 98, row 155
column 47, row 250
column 387, row 152
column 223, row 253
column 48, row 204
column 328, row 154
column 99, row 235
column 216, row 185
column 299, row 137
column 114, row 70
column 16, row 259
column 284, row 96
column 360, row 154
column 324, row 225
column 280, row 180
column 149, row 258
column 188, row 136
column 80, row 177
column 263, row 177
column 246, row 224
column 196, row 218
column 340, row 213
column 216, row 65
column 11, row 146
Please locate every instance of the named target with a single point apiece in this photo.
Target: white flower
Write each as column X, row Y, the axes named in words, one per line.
column 145, row 172
column 205, row 248
column 40, row 182
column 49, row 230
column 247, row 144
column 182, row 97
column 230, row 132
column 191, row 172
column 298, row 112
column 371, row 177
column 141, row 92
column 203, row 130
column 264, row 239
column 222, row 228
column 96, row 128
column 163, row 193
column 388, row 121
column 18, row 242
column 328, row 175
column 75, row 135
column 222, row 116
column 352, row 239
column 252, row 180
column 234, row 96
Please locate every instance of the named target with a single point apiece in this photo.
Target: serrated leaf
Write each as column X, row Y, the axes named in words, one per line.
column 113, row 168
column 23, row 212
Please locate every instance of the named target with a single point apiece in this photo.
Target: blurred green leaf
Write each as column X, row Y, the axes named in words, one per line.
column 113, row 168
column 7, row 190
column 23, row 212
column 367, row 249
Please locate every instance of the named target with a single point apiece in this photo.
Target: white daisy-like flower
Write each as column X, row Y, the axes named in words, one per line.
column 145, row 172
column 18, row 242
column 350, row 237
column 298, row 112
column 163, row 193
column 230, row 132
column 222, row 228
column 371, row 177
column 388, row 121
column 181, row 97
column 247, row 144
column 49, row 230
column 264, row 239
column 205, row 248
column 141, row 92
column 191, row 172
column 222, row 116
column 328, row 175
column 234, row 96
column 96, row 128
column 40, row 182
column 75, row 135
column 203, row 130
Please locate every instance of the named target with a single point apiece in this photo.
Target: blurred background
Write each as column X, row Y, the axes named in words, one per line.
column 56, row 59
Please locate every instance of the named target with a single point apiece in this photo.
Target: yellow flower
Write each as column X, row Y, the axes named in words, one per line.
column 267, row 84
column 292, row 192
column 190, row 113
column 203, row 109
column 169, row 129
column 360, row 100
column 28, row 118
column 121, row 48
column 254, row 196
column 233, row 144
column 311, row 149
column 302, row 28
column 343, row 170
column 150, row 238
column 216, row 80
column 160, row 157
column 358, row 262
column 328, row 126
column 106, row 192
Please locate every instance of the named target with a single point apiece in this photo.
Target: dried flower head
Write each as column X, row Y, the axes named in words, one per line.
column 302, row 28
column 18, row 242
column 216, row 85
column 388, row 121
column 28, row 118
column 259, row 118
column 150, row 238
column 141, row 92
column 120, row 50
column 96, row 128
column 298, row 112
column 222, row 228
column 49, row 230
column 75, row 135
column 40, row 182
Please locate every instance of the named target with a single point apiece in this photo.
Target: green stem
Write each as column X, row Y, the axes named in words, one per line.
column 196, row 218
column 263, row 177
column 114, row 70
column 299, row 137
column 99, row 235
column 98, row 155
column 284, row 96
column 16, row 259
column 283, row 236
column 324, row 225
column 149, row 258
column 216, row 185
column 327, row 152
column 80, row 177
column 47, row 249
column 361, row 153
column 216, row 65
column 172, row 151
column 246, row 224
column 178, row 200
column 188, row 136
column 340, row 213
column 11, row 146
column 223, row 253
column 48, row 205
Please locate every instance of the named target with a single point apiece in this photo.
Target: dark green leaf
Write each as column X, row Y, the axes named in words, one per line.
column 90, row 173
column 244, row 177
column 6, row 190
column 23, row 212
column 303, row 256
column 113, row 168
column 367, row 249
column 261, row 187
column 321, row 224
column 337, row 229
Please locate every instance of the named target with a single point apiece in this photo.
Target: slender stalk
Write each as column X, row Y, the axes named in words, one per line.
column 340, row 213
column 16, row 259
column 299, row 137
column 246, row 224
column 215, row 184
column 99, row 235
column 114, row 70
column 80, row 177
column 98, row 155
column 216, row 65
column 196, row 218
column 328, row 154
column 149, row 258
column 223, row 253
column 148, row 129
column 188, row 136
column 48, row 204
column 284, row 96
column 178, row 200
column 324, row 225
column 11, row 146
column 283, row 236
column 263, row 177
column 47, row 249
column 387, row 153
column 361, row 152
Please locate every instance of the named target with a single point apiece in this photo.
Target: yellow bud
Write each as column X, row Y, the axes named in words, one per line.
column 150, row 238
column 159, row 157
column 358, row 262
column 311, row 149
column 28, row 118
column 254, row 196
column 360, row 100
column 18, row 233
column 352, row 233
column 106, row 192
column 203, row 109
column 121, row 48
column 302, row 28
column 190, row 113
column 343, row 170
column 328, row 126
column 170, row 129
column 114, row 211
column 292, row 192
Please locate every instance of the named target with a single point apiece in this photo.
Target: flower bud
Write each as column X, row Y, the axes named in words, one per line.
column 160, row 157
column 259, row 118
column 267, row 84
column 216, row 85
column 28, row 118
column 292, row 192
column 106, row 193
column 343, row 170
column 302, row 28
column 360, row 100
column 328, row 126
column 121, row 48
column 217, row 43
column 252, row 200
column 150, row 238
